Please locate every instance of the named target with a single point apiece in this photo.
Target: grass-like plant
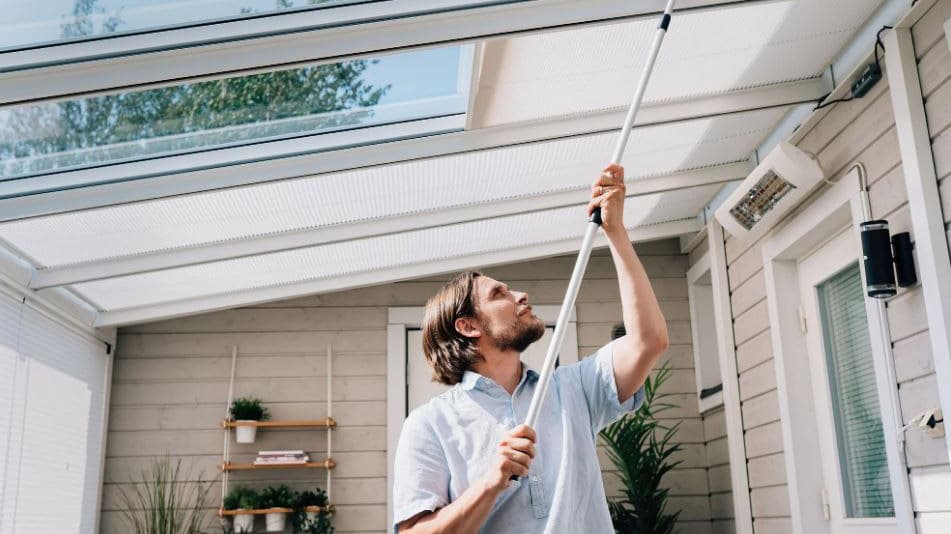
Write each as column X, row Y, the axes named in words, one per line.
column 248, row 409
column 277, row 497
column 166, row 500
column 642, row 449
column 241, row 498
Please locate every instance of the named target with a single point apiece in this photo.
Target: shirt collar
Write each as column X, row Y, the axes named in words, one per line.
column 473, row 380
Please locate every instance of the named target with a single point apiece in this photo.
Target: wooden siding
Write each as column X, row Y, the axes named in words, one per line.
column 859, row 131
column 170, row 383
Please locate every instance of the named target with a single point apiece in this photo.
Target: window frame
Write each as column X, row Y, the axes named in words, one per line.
column 701, row 324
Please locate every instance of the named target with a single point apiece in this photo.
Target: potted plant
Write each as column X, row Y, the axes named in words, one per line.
column 278, row 501
column 242, row 498
column 246, row 410
column 165, row 498
column 642, row 448
column 313, row 512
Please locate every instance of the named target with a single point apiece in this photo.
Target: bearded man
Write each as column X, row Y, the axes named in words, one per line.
column 458, row 453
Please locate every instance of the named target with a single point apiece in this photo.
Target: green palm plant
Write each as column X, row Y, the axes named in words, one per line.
column 166, row 500
column 642, row 450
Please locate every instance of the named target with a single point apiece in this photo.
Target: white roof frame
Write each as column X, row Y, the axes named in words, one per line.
column 223, row 301
column 211, row 252
column 15, row 276
column 215, row 169
column 297, row 37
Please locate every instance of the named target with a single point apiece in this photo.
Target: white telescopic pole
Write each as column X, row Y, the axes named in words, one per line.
column 585, row 253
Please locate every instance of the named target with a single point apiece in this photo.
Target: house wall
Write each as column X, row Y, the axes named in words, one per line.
column 170, row 382
column 716, row 450
column 859, row 131
column 927, row 457
column 718, row 471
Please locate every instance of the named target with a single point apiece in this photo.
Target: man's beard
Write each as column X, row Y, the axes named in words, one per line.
column 517, row 335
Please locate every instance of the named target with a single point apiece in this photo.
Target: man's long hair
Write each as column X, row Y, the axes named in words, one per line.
column 449, row 353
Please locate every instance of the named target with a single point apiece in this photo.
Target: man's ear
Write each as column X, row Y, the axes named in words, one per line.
column 468, row 327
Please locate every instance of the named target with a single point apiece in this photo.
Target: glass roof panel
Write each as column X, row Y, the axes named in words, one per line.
column 377, row 192
column 56, row 136
column 409, row 248
column 28, row 23
column 735, row 47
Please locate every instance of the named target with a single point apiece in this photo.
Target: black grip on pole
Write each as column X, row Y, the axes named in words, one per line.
column 664, row 22
column 513, row 477
column 596, row 216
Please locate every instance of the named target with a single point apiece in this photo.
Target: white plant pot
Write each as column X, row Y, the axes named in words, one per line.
column 276, row 521
column 244, row 523
column 245, row 434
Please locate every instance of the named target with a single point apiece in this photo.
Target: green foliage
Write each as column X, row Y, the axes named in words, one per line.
column 312, row 498
column 248, row 409
column 241, row 498
column 642, row 449
column 319, row 524
column 277, row 497
column 165, row 500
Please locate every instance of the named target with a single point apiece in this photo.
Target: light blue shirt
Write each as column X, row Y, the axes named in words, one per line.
column 451, row 441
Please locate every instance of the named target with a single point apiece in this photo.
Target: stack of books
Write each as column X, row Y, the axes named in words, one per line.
column 281, row 458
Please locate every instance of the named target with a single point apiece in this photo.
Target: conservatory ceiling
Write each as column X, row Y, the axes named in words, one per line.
column 160, row 190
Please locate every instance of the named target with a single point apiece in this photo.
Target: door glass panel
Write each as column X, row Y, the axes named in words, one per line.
column 855, row 404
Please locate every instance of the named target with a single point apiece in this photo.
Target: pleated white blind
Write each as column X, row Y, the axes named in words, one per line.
column 9, row 329
column 52, row 396
column 858, row 425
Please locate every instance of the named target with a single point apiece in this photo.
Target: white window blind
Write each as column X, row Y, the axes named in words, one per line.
column 53, row 385
column 858, row 425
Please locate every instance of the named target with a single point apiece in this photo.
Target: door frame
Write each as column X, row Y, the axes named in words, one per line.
column 836, row 208
column 403, row 318
column 831, row 258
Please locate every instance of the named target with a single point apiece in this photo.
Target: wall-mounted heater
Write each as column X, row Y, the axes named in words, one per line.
column 774, row 187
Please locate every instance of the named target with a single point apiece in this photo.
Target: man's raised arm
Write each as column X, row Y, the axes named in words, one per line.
column 635, row 353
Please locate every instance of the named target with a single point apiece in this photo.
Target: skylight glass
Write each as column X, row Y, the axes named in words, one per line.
column 30, row 22
column 49, row 137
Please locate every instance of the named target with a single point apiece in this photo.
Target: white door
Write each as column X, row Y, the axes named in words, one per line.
column 419, row 385
column 855, row 469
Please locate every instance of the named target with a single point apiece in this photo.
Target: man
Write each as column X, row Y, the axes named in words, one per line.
column 458, row 452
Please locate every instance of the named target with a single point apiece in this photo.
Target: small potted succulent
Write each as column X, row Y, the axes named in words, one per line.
column 246, row 410
column 279, row 501
column 242, row 498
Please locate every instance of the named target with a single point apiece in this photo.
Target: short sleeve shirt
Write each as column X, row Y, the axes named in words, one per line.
column 450, row 442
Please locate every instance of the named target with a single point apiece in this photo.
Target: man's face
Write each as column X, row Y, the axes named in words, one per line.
column 506, row 316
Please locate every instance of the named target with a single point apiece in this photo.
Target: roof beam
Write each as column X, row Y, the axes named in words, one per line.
column 15, row 275
column 216, row 169
column 285, row 40
column 231, row 249
column 205, row 304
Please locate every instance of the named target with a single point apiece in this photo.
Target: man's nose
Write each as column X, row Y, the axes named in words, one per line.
column 521, row 297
